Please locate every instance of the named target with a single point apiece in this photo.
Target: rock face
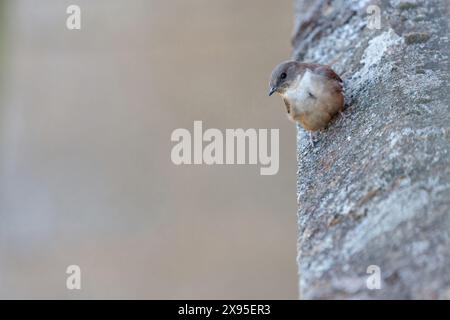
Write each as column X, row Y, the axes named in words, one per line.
column 375, row 190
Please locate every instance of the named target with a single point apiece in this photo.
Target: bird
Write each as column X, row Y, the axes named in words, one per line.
column 312, row 93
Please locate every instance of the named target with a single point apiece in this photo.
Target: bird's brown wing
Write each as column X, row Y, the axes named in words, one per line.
column 327, row 72
column 321, row 69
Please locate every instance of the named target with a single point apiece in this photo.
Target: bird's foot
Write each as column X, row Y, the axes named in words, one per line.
column 312, row 142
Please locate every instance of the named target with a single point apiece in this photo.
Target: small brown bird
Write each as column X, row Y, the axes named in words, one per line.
column 312, row 93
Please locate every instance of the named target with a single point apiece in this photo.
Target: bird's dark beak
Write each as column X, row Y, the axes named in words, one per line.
column 272, row 90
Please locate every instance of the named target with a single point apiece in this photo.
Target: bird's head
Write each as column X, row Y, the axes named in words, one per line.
column 282, row 77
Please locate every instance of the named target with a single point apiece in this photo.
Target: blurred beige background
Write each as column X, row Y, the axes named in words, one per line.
column 85, row 170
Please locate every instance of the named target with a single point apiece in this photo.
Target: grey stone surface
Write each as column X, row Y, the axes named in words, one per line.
column 375, row 190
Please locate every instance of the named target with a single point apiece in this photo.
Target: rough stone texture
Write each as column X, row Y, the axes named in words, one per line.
column 375, row 190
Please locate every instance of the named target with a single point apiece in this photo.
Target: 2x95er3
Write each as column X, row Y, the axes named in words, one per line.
column 244, row 309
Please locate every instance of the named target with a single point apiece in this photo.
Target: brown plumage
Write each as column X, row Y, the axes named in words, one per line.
column 312, row 93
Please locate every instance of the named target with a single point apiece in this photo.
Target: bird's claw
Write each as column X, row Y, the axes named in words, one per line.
column 311, row 140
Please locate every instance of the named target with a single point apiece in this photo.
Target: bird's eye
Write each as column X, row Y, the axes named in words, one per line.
column 283, row 75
